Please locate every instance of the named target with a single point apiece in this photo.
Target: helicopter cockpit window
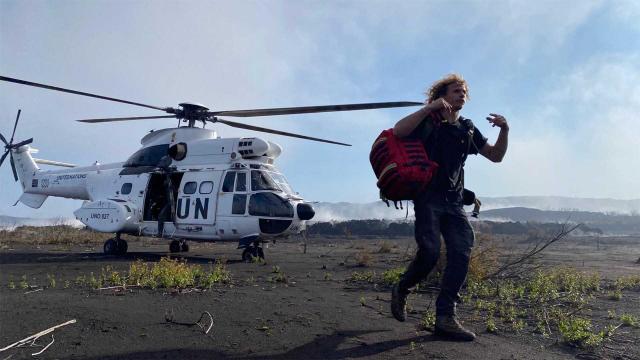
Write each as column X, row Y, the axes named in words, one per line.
column 282, row 182
column 229, row 179
column 126, row 189
column 269, row 204
column 206, row 187
column 241, row 182
column 239, row 205
column 190, row 187
column 260, row 180
column 149, row 156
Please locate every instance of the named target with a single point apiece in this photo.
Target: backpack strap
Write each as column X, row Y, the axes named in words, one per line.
column 471, row 129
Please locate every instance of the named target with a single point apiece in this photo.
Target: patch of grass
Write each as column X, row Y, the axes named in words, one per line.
column 23, row 282
column 365, row 276
column 52, row 280
column 94, row 282
column 173, row 273
column 218, row 275
column 491, row 325
column 630, row 320
column 392, row 276
column 627, row 282
column 554, row 301
column 279, row 277
column 12, row 285
column 428, row 321
column 615, row 294
column 577, row 331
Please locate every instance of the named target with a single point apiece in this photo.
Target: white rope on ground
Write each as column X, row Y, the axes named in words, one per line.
column 45, row 348
column 32, row 291
column 202, row 325
column 168, row 317
column 36, row 336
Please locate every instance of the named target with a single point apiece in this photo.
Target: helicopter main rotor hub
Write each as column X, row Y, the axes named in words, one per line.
column 192, row 112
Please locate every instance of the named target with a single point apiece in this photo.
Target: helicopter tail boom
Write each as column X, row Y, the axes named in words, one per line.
column 25, row 165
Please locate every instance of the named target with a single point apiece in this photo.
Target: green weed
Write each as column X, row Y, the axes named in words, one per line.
column 23, row 282
column 365, row 276
column 630, row 320
column 392, row 276
column 577, row 331
column 52, row 280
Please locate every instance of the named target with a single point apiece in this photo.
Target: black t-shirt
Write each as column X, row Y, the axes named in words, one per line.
column 448, row 145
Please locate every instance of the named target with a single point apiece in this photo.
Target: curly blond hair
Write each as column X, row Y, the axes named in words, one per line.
column 439, row 88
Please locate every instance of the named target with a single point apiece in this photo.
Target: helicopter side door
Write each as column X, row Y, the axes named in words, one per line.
column 196, row 200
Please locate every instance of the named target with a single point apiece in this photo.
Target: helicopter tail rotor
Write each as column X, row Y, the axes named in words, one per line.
column 10, row 146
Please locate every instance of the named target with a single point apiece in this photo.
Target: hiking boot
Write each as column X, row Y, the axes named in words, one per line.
column 448, row 326
column 398, row 303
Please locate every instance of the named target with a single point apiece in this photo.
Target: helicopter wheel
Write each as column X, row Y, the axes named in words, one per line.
column 110, row 247
column 174, row 246
column 184, row 247
column 121, row 247
column 252, row 252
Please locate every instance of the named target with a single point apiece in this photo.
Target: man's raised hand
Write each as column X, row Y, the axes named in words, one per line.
column 498, row 120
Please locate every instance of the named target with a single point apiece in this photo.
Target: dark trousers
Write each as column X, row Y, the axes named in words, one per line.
column 431, row 220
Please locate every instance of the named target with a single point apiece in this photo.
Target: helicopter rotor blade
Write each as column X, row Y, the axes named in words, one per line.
column 277, row 132
column 25, row 142
column 313, row 109
column 93, row 121
column 3, row 140
column 15, row 125
column 4, row 156
column 49, row 87
column 13, row 167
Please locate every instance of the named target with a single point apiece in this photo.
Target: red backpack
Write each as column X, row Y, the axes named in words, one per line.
column 401, row 165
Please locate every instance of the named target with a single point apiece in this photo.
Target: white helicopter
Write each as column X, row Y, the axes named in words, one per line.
column 185, row 183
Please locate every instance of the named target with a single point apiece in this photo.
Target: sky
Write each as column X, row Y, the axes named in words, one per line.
column 566, row 75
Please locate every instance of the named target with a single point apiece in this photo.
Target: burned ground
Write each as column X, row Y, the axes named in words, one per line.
column 327, row 303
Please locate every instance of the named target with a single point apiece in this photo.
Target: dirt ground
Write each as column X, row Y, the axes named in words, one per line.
column 317, row 314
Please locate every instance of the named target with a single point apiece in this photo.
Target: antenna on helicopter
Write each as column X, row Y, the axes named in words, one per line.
column 11, row 146
column 192, row 112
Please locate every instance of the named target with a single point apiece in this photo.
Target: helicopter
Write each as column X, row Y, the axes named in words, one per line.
column 184, row 183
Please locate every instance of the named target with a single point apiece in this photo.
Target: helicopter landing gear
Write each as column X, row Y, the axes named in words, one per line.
column 252, row 252
column 115, row 246
column 178, row 246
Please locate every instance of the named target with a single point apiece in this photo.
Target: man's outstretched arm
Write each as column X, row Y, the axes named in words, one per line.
column 496, row 152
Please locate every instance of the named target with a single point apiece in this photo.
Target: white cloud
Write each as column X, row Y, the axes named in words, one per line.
column 583, row 143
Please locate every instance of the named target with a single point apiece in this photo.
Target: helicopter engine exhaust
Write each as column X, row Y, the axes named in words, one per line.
column 305, row 211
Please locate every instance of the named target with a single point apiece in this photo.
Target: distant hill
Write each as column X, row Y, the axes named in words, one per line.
column 10, row 222
column 378, row 210
column 619, row 224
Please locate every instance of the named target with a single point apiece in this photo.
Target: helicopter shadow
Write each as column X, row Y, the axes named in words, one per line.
column 330, row 346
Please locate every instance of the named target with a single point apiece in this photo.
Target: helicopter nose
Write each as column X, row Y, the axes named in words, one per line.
column 305, row 211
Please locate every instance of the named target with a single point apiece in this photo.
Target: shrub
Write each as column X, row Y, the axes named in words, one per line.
column 385, row 248
column 366, row 276
column 392, row 276
column 629, row 320
column 363, row 258
column 577, row 331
